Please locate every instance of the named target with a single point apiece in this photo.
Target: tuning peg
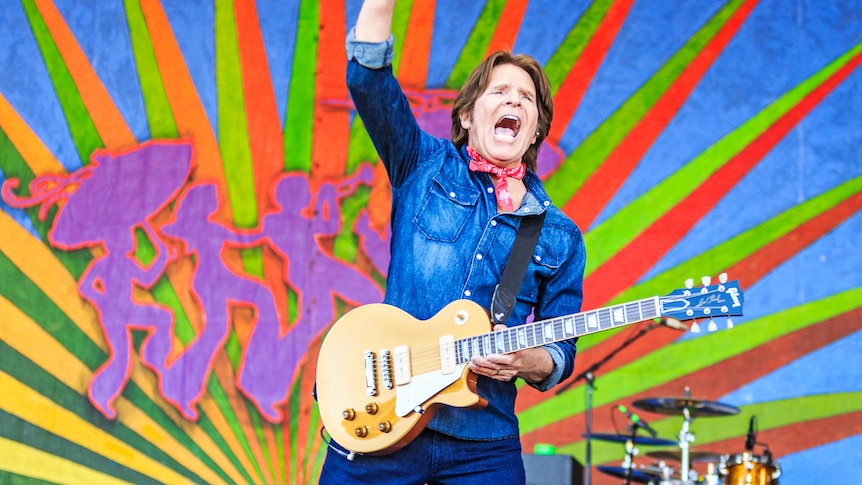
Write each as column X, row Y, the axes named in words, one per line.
column 689, row 283
column 722, row 278
column 729, row 323
column 706, row 280
column 695, row 328
column 712, row 327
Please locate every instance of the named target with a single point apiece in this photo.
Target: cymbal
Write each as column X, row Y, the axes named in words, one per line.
column 693, row 456
column 677, row 405
column 638, row 475
column 638, row 440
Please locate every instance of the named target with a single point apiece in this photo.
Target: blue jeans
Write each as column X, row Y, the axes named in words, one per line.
column 432, row 458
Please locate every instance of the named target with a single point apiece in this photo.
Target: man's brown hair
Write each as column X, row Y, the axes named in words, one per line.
column 478, row 82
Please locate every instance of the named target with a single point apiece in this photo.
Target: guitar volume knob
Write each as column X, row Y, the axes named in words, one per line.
column 348, row 414
column 371, row 408
column 361, row 432
column 385, row 426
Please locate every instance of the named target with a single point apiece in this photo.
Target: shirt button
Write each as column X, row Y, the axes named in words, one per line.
column 526, row 209
column 547, row 203
column 538, row 258
column 452, row 194
column 479, row 257
column 490, row 190
column 494, row 223
column 467, row 293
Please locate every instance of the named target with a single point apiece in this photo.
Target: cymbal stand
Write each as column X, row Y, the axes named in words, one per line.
column 685, row 437
column 590, row 377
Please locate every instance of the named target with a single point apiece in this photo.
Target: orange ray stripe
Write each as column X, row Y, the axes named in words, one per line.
column 508, row 26
column 331, row 124
column 35, row 154
column 413, row 67
column 264, row 127
column 572, row 90
column 189, row 114
column 113, row 130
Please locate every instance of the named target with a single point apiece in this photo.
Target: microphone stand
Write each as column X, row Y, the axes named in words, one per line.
column 590, row 377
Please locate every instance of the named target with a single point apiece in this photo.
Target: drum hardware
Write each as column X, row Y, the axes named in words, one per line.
column 689, row 408
column 629, row 470
column 635, row 474
column 693, row 456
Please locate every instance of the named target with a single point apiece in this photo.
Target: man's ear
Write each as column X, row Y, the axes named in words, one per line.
column 466, row 121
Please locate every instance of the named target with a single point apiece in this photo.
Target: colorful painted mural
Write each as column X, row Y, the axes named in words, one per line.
column 189, row 202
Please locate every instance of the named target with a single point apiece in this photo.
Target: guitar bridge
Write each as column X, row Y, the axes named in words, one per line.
column 370, row 373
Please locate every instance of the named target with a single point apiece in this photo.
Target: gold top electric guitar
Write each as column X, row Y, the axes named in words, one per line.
column 381, row 373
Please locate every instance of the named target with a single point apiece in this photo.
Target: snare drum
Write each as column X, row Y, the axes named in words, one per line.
column 748, row 469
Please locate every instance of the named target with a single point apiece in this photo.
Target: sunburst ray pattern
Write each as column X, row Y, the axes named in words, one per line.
column 189, row 202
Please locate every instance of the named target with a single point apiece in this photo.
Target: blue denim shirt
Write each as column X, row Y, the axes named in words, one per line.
column 449, row 242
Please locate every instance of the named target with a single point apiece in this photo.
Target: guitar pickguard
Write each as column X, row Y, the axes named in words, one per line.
column 421, row 388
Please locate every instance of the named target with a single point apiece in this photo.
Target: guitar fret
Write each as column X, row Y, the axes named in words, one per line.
column 605, row 319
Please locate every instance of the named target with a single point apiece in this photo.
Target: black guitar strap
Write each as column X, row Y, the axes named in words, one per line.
column 503, row 301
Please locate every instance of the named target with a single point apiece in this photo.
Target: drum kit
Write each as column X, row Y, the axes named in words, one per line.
column 744, row 468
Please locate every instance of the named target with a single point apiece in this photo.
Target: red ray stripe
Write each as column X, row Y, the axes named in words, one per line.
column 635, row 259
column 264, row 127
column 587, row 202
column 712, row 382
column 767, row 258
column 413, row 67
column 331, row 124
column 572, row 90
column 508, row 26
column 658, row 338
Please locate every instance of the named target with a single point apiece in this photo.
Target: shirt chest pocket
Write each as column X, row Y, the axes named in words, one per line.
column 445, row 210
column 543, row 264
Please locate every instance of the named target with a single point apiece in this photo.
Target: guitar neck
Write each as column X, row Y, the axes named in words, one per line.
column 557, row 329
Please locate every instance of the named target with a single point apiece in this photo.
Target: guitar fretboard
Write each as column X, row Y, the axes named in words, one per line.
column 556, row 329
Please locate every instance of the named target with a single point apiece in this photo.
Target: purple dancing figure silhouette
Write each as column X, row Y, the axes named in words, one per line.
column 116, row 195
column 216, row 289
column 315, row 274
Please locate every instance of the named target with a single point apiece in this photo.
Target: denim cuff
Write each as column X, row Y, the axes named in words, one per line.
column 559, row 364
column 373, row 55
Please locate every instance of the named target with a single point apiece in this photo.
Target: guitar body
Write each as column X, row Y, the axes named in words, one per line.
column 358, row 409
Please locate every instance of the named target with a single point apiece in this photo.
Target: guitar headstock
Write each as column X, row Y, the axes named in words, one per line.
column 723, row 299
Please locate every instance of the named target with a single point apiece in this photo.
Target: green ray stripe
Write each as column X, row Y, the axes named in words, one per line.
column 223, row 402
column 587, row 157
column 38, row 438
column 232, row 121
column 22, row 369
column 570, row 49
column 400, row 21
column 477, row 43
column 621, row 228
column 770, row 415
column 13, row 166
column 732, row 251
column 8, row 478
column 159, row 113
column 299, row 118
column 78, row 120
column 652, row 370
column 30, row 299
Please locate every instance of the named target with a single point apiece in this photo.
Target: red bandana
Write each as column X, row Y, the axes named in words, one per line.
column 479, row 164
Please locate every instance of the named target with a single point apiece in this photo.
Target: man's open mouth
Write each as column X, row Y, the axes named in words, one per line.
column 508, row 125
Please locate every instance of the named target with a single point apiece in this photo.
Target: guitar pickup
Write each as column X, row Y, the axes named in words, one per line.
column 401, row 365
column 447, row 354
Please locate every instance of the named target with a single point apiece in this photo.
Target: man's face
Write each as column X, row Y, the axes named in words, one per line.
column 503, row 123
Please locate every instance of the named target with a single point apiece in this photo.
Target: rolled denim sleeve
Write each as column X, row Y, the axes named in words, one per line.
column 373, row 55
column 559, row 367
